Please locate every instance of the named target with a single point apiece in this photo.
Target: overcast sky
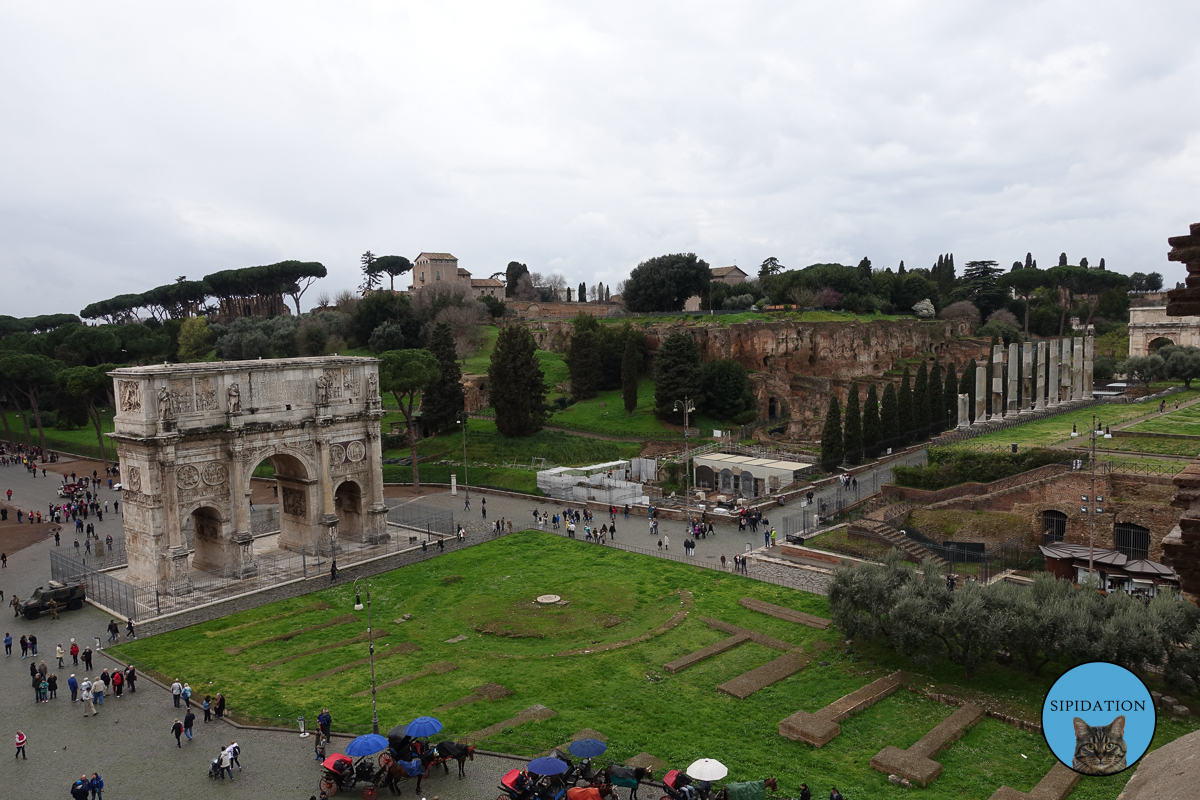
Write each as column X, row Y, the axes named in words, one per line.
column 144, row 141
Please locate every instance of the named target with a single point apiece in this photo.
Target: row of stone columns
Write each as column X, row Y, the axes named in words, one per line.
column 1064, row 375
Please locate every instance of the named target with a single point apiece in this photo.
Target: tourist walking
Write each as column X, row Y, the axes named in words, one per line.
column 52, row 686
column 177, row 730
column 81, row 787
column 73, row 685
column 96, row 784
column 85, row 696
column 187, row 695
column 7, row 645
column 223, row 764
column 188, row 720
column 118, row 683
column 59, row 653
column 176, row 691
column 131, row 679
column 325, row 721
column 234, row 751
column 21, row 746
column 114, row 631
column 87, row 658
column 74, row 654
column 24, row 645
column 97, row 692
column 207, row 706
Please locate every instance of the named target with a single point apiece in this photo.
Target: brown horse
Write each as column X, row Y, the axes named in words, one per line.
column 459, row 751
column 393, row 773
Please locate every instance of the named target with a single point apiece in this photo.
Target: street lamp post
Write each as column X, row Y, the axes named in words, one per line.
column 358, row 606
column 687, row 406
column 466, row 485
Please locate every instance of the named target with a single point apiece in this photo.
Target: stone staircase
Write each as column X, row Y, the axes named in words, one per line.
column 896, row 538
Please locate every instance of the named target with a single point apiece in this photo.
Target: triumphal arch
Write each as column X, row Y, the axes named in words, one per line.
column 189, row 436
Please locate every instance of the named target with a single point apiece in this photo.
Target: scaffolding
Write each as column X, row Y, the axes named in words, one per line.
column 604, row 483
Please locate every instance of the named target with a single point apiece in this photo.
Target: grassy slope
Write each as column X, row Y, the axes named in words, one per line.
column 1185, row 421
column 1149, row 443
column 1058, row 429
column 676, row 717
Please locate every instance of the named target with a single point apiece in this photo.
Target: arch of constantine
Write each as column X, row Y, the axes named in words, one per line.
column 190, row 435
column 1151, row 328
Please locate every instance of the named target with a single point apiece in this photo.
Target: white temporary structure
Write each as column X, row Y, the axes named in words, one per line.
column 605, row 483
column 746, row 476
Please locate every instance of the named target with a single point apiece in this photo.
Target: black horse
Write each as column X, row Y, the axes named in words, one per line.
column 392, row 773
column 629, row 778
column 459, row 751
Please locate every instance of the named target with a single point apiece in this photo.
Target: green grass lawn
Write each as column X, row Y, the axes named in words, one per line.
column 1185, row 421
column 81, row 440
column 486, row 593
column 1058, row 429
column 605, row 413
column 1147, row 443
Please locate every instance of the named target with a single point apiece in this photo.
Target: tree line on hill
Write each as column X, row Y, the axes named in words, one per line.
column 1031, row 300
column 1052, row 621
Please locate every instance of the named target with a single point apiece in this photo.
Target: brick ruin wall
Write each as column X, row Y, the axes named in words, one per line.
column 1142, row 500
column 800, row 364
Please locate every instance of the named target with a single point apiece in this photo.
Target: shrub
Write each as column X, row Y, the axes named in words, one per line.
column 963, row 309
column 829, row 298
column 947, row 467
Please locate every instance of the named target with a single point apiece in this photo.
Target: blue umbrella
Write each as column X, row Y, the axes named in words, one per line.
column 423, row 726
column 587, row 748
column 366, row 745
column 547, row 766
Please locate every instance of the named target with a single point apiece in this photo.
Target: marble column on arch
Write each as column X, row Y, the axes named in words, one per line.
column 1010, row 410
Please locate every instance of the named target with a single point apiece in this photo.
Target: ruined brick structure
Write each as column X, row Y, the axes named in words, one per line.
column 1137, row 499
column 1183, row 545
column 795, row 366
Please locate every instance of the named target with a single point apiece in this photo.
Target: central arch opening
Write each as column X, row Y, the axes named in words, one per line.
column 289, row 508
column 1155, row 344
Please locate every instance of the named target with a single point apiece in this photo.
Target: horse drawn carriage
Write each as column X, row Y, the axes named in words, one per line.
column 339, row 772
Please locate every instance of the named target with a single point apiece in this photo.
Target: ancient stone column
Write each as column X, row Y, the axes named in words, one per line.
column 376, row 528
column 1014, row 387
column 1065, row 370
column 997, row 383
column 1089, row 362
column 964, row 410
column 1052, row 386
column 980, row 393
column 1078, row 368
column 1027, row 379
column 1040, row 390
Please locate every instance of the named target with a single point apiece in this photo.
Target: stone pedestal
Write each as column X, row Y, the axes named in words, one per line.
column 377, row 530
column 997, row 383
column 980, row 394
column 329, row 543
column 247, row 566
column 1027, row 378
column 964, row 409
column 1011, row 404
column 1186, row 249
column 180, row 581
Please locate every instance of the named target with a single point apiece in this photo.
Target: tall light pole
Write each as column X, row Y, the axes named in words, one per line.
column 466, row 485
column 687, row 406
column 1092, row 506
column 358, row 606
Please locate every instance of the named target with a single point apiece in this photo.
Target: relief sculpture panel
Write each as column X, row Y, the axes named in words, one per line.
column 187, row 477
column 130, row 393
column 295, row 501
column 206, row 395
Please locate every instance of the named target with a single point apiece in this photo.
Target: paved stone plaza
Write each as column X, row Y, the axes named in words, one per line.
column 129, row 743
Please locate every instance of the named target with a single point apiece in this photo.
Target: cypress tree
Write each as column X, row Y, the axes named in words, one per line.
column 967, row 386
column 937, row 395
column 904, row 404
column 921, row 398
column 950, row 396
column 630, row 367
column 889, row 418
column 444, row 400
column 517, row 383
column 582, row 296
column 583, row 364
column 872, row 431
column 832, row 447
column 852, row 432
column 677, row 376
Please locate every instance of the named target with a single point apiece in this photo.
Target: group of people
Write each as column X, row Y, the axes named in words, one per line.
column 181, row 694
column 85, row 787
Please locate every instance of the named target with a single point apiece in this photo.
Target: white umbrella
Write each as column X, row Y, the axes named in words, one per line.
column 707, row 769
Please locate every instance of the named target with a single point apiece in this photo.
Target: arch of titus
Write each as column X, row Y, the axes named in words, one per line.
column 189, row 436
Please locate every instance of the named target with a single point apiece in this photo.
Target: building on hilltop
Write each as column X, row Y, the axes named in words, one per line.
column 730, row 276
column 442, row 272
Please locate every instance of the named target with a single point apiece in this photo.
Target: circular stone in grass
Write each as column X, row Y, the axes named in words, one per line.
column 548, row 599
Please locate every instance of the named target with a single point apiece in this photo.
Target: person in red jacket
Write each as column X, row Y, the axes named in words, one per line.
column 21, row 746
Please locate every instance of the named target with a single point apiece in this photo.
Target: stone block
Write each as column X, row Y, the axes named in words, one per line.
column 798, row 617
column 697, row 656
column 820, row 727
column 1055, row 785
column 916, row 763
column 770, row 673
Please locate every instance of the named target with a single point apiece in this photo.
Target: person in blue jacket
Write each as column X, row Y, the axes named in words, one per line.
column 96, row 784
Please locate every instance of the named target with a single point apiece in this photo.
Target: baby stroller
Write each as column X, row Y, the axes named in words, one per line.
column 214, row 768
